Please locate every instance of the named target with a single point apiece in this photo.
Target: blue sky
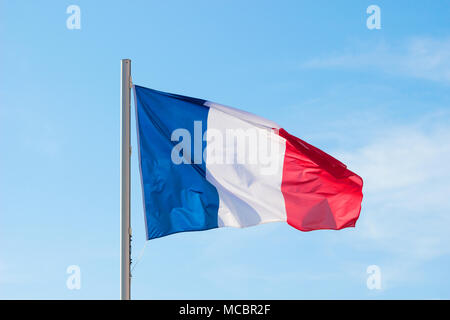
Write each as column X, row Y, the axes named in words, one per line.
column 379, row 100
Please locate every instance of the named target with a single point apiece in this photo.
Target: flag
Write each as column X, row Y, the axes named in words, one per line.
column 204, row 165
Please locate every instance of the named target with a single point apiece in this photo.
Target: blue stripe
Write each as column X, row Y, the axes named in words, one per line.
column 177, row 198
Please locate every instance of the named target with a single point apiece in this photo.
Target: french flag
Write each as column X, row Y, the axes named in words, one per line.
column 204, row 165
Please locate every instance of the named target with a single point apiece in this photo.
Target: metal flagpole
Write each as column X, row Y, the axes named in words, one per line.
column 125, row 153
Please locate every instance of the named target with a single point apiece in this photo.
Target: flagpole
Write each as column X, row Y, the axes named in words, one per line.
column 125, row 153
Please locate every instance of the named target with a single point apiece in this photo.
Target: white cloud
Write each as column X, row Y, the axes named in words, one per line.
column 406, row 206
column 423, row 58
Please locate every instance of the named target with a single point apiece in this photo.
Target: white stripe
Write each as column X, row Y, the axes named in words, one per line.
column 250, row 193
column 243, row 115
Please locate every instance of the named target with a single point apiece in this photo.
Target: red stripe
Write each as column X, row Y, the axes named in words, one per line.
column 319, row 191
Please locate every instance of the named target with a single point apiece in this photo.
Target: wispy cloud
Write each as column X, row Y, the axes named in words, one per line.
column 406, row 208
column 423, row 58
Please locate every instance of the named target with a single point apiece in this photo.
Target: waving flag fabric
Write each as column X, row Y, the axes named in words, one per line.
column 204, row 165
